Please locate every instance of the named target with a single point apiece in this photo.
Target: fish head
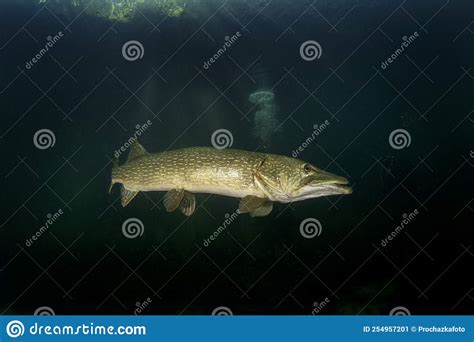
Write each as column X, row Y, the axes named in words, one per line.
column 308, row 181
column 299, row 180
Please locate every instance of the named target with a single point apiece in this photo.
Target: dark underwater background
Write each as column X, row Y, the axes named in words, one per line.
column 92, row 98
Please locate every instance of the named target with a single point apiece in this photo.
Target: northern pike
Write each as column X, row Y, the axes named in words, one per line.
column 258, row 179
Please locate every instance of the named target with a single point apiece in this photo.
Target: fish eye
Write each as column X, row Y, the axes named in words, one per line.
column 307, row 168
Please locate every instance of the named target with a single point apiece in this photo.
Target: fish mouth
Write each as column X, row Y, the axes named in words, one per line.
column 330, row 185
column 336, row 187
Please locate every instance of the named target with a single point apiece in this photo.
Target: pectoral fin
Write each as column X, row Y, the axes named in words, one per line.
column 263, row 210
column 127, row 195
column 188, row 204
column 250, row 203
column 173, row 199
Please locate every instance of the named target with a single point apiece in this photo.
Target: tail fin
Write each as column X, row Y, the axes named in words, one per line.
column 114, row 167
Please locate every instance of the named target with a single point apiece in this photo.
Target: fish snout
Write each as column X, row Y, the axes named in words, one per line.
column 337, row 184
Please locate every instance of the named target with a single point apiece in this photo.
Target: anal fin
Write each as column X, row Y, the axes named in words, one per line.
column 127, row 195
column 173, row 199
column 188, row 204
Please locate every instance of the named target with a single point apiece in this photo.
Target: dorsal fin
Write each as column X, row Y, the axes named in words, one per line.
column 136, row 150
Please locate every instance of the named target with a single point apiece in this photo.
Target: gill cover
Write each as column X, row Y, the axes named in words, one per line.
column 267, row 178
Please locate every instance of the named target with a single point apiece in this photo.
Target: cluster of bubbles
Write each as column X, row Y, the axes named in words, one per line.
column 265, row 120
